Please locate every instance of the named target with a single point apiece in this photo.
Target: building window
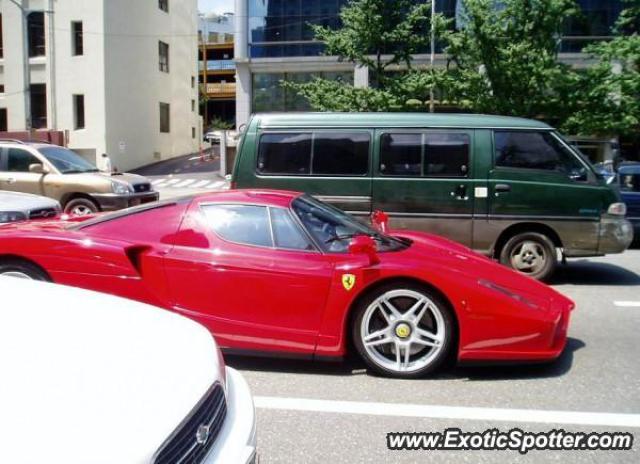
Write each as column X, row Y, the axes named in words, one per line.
column 35, row 28
column 38, row 106
column 164, row 5
column 78, row 111
column 193, row 105
column 193, row 82
column 1, row 88
column 165, row 118
column 193, row 132
column 3, row 120
column 163, row 49
column 77, row 45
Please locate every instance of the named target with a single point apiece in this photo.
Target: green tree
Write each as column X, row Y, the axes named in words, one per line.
column 605, row 99
column 504, row 60
column 382, row 35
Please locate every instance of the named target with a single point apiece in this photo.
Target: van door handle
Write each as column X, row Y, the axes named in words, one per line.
column 460, row 192
column 503, row 188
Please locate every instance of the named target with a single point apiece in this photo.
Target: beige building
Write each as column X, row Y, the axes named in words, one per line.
column 118, row 76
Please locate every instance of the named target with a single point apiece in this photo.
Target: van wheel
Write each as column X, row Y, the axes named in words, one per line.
column 81, row 207
column 403, row 331
column 530, row 253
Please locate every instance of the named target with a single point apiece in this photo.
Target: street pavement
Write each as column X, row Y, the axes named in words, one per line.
column 186, row 175
column 599, row 372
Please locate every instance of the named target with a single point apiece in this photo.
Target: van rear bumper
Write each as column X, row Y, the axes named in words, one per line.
column 616, row 234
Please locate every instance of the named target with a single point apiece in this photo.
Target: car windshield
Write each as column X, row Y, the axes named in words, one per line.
column 333, row 229
column 66, row 161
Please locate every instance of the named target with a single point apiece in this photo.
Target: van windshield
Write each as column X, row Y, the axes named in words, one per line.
column 66, row 161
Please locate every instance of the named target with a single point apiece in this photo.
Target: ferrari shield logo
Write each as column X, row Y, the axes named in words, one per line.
column 348, row 281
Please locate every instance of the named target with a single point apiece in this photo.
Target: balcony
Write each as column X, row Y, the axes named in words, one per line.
column 222, row 90
column 219, row 65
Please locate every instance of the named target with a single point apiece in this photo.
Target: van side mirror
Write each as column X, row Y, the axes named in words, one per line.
column 380, row 221
column 364, row 245
column 38, row 168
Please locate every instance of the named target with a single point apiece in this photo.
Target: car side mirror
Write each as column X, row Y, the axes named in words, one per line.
column 364, row 245
column 38, row 168
column 380, row 221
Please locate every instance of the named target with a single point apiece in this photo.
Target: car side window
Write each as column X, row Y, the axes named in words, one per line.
column 244, row 224
column 19, row 160
column 432, row 154
column 286, row 233
column 314, row 153
column 534, row 150
column 630, row 182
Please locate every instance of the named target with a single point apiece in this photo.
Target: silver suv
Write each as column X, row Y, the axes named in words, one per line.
column 61, row 174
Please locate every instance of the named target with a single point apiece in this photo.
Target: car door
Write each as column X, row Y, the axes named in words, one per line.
column 15, row 175
column 423, row 179
column 334, row 165
column 537, row 178
column 251, row 275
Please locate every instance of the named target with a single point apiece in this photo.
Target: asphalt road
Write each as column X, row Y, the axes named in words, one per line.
column 598, row 373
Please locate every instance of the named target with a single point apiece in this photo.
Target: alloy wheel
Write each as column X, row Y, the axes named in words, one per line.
column 16, row 274
column 403, row 331
column 528, row 257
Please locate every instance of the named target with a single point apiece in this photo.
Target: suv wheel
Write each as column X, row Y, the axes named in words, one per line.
column 81, row 207
column 530, row 253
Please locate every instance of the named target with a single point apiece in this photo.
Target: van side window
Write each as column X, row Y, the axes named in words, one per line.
column 340, row 153
column 317, row 153
column 429, row 154
column 533, row 150
column 285, row 154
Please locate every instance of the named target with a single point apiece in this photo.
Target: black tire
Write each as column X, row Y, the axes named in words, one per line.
column 81, row 204
column 530, row 253
column 30, row 271
column 434, row 358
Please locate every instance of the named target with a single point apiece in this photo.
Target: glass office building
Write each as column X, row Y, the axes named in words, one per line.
column 278, row 45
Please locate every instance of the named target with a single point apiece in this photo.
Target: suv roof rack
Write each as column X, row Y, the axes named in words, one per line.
column 13, row 141
column 24, row 142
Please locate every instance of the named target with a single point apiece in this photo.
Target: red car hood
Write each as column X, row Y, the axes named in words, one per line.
column 485, row 271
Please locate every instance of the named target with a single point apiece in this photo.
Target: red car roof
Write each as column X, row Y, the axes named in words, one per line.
column 282, row 198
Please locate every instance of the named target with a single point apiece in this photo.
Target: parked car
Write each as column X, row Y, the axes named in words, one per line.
column 113, row 380
column 509, row 188
column 23, row 206
column 285, row 274
column 629, row 181
column 63, row 175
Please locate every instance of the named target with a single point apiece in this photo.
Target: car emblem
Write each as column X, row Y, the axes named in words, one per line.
column 348, row 281
column 403, row 330
column 202, row 434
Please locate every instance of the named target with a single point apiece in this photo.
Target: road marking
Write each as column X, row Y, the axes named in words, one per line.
column 184, row 183
column 449, row 412
column 627, row 304
column 172, row 181
column 158, row 181
column 200, row 183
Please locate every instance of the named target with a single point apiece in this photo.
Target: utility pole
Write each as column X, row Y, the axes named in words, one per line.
column 27, row 70
column 433, row 54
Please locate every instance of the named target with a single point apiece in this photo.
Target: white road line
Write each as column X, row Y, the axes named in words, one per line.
column 627, row 304
column 200, row 183
column 172, row 181
column 158, row 181
column 449, row 412
column 184, row 183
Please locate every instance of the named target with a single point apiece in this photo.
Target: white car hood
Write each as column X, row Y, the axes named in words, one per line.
column 90, row 378
column 24, row 202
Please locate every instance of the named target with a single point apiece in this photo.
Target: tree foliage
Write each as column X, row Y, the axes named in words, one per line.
column 380, row 35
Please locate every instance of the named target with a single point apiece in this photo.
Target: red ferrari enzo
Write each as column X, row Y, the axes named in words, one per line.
column 282, row 273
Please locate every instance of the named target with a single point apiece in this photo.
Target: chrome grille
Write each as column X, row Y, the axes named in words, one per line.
column 43, row 213
column 141, row 188
column 194, row 437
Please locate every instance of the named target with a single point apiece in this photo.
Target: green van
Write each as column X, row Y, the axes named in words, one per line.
column 510, row 188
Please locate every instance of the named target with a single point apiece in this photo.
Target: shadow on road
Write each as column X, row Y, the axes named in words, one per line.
column 188, row 164
column 585, row 272
column 353, row 366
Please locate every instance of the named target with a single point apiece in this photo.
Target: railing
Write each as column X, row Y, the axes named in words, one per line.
column 219, row 65
column 222, row 89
